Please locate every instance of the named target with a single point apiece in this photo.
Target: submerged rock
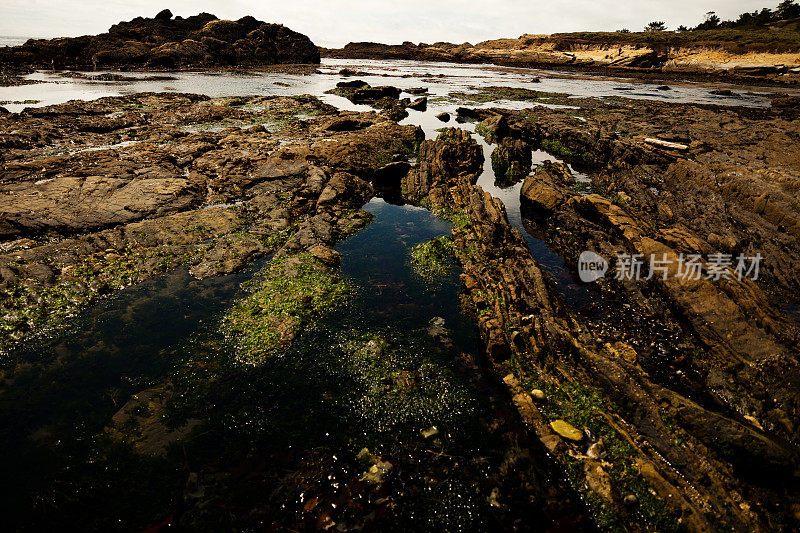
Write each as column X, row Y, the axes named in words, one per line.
column 377, row 473
column 141, row 423
column 430, row 432
column 430, row 260
column 631, row 500
column 439, row 333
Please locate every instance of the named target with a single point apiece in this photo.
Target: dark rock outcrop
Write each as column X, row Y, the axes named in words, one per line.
column 420, row 104
column 453, row 155
column 539, row 195
column 384, row 97
column 511, row 161
column 164, row 41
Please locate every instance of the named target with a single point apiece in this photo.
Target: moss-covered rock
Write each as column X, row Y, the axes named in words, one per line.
column 433, row 258
column 283, row 298
column 511, row 161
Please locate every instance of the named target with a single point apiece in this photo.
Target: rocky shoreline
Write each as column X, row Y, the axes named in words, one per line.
column 99, row 195
column 670, row 404
column 683, row 390
column 668, row 56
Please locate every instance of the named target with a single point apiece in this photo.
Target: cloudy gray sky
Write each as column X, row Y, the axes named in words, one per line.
column 336, row 22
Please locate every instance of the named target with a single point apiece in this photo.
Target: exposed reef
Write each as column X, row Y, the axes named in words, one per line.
column 98, row 195
column 672, row 405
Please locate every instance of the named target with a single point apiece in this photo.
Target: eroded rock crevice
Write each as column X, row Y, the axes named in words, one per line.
column 639, row 434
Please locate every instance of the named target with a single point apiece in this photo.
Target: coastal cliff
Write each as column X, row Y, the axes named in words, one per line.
column 744, row 55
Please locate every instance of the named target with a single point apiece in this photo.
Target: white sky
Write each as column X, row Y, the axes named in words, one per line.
column 336, row 22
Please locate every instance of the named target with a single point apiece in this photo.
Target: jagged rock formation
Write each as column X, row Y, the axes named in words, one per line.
column 684, row 395
column 167, row 42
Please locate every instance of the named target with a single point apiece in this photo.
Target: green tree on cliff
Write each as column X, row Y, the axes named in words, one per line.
column 656, row 26
column 712, row 21
column 787, row 9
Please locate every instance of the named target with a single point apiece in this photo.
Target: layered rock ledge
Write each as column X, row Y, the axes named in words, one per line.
column 671, row 404
column 95, row 196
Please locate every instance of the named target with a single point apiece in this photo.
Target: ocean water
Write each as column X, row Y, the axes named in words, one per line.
column 6, row 40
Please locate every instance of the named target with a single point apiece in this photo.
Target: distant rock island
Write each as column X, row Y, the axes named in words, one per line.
column 168, row 42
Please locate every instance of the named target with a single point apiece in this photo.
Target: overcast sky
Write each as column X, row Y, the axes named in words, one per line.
column 336, row 22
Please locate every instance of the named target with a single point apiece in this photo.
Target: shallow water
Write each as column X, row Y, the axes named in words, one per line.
column 440, row 78
column 62, row 388
column 316, row 402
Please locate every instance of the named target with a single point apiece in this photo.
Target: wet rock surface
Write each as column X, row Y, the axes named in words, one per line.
column 98, row 195
column 167, row 41
column 670, row 404
column 384, row 97
column 270, row 176
column 681, row 387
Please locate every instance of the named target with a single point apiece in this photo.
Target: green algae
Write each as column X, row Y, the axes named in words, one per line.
column 555, row 147
column 399, row 387
column 433, row 258
column 584, row 407
column 458, row 217
column 284, row 297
